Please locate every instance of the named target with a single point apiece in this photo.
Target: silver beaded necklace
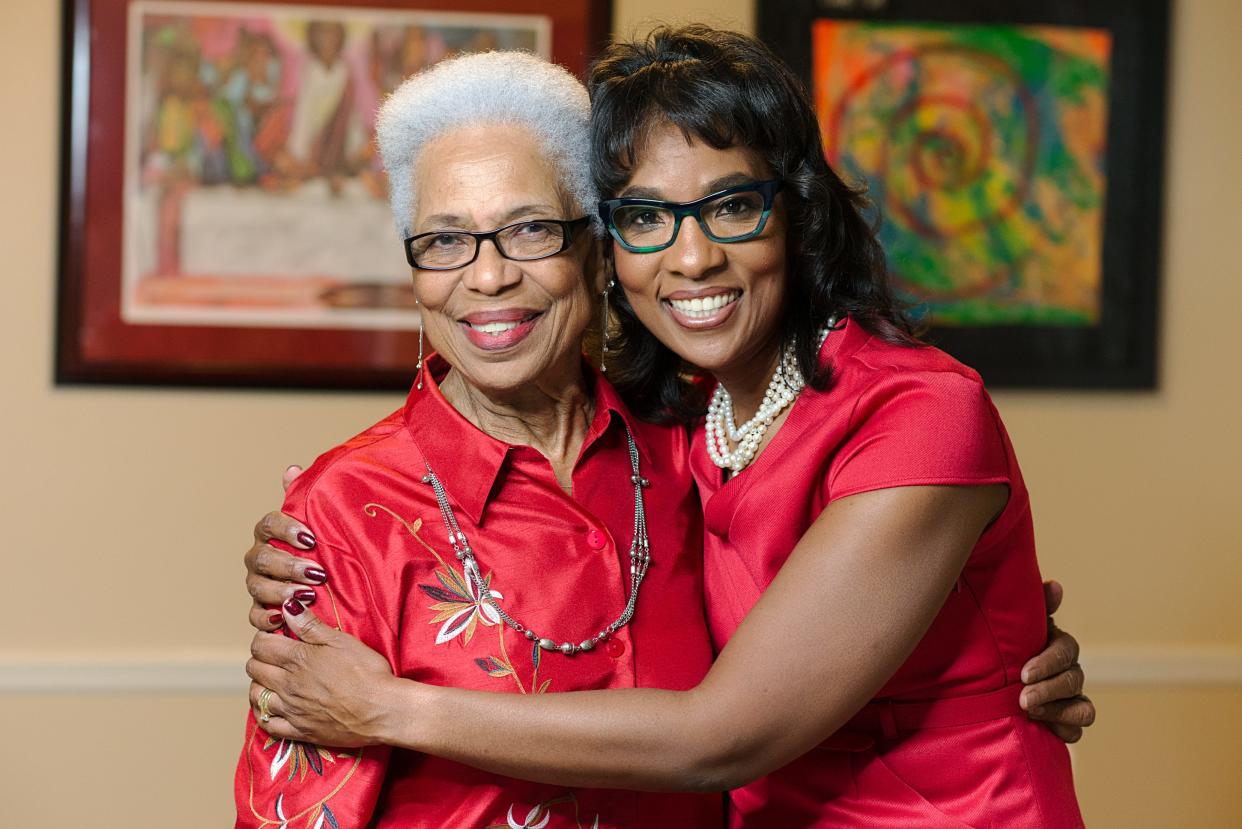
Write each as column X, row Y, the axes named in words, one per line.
column 784, row 387
column 640, row 560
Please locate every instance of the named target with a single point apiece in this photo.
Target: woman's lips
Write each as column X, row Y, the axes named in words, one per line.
column 499, row 330
column 703, row 311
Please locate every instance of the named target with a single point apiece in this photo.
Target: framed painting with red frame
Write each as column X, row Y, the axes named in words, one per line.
column 223, row 212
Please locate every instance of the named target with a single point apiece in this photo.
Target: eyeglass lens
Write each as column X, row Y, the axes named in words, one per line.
column 728, row 217
column 527, row 240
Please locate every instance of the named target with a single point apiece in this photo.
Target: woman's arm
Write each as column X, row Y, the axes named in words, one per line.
column 846, row 609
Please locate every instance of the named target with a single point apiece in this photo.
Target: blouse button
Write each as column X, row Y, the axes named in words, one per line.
column 615, row 648
column 595, row 540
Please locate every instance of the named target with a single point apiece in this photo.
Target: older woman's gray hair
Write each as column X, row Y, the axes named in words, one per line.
column 488, row 87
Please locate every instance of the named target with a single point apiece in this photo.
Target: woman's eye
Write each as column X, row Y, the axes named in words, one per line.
column 532, row 230
column 735, row 206
column 445, row 241
column 643, row 219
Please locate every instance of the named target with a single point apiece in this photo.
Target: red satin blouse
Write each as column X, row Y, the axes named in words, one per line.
column 557, row 563
column 944, row 744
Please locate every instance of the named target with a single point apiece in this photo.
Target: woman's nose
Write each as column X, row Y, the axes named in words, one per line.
column 692, row 254
column 490, row 273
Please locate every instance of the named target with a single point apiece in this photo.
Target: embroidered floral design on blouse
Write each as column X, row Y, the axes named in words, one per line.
column 297, row 760
column 298, row 756
column 316, row 818
column 541, row 813
column 458, row 604
column 458, row 609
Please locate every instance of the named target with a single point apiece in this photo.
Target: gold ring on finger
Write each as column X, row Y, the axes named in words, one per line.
column 265, row 713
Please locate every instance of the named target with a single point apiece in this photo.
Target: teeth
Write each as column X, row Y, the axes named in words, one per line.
column 704, row 306
column 495, row 327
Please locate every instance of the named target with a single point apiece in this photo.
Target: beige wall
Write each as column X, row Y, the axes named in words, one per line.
column 126, row 510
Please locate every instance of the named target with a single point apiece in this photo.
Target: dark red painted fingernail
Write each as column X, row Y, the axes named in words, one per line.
column 306, row 539
column 276, row 618
column 315, row 574
column 294, row 608
column 304, row 596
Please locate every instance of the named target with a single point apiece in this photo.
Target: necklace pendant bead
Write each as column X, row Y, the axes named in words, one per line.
column 547, row 644
column 567, row 649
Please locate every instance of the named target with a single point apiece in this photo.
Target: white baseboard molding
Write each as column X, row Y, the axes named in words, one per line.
column 1162, row 665
column 201, row 672
column 208, row 672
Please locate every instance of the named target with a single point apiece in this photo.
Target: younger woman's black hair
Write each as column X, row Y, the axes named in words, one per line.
column 728, row 89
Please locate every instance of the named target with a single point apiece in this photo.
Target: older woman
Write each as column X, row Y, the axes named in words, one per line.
column 873, row 498
column 524, row 452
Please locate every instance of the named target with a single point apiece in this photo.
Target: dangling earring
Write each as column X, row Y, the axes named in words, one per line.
column 418, row 368
column 603, row 349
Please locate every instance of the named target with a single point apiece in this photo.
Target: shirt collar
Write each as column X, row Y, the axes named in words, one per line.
column 467, row 460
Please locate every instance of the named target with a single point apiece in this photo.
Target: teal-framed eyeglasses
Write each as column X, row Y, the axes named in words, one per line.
column 732, row 215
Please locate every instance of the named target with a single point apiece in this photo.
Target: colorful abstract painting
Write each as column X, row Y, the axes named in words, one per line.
column 984, row 147
column 254, row 194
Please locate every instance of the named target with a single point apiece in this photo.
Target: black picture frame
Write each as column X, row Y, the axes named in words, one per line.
column 1120, row 352
column 95, row 344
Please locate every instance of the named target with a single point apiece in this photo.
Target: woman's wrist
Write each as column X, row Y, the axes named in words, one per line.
column 406, row 714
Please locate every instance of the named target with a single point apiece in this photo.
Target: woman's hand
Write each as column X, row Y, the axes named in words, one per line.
column 1054, row 679
column 273, row 576
column 328, row 688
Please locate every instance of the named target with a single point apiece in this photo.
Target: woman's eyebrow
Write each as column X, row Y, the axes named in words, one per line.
column 454, row 220
column 714, row 186
column 544, row 210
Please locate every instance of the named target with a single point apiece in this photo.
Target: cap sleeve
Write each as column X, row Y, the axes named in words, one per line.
column 921, row 429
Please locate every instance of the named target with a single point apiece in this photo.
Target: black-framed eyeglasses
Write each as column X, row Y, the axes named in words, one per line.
column 446, row 250
column 650, row 225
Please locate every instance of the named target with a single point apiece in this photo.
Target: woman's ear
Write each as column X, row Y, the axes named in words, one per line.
column 599, row 266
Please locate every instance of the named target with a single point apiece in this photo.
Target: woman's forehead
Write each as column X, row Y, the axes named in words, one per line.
column 486, row 173
column 674, row 165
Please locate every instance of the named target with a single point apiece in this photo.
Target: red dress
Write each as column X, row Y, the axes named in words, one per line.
column 553, row 561
column 944, row 744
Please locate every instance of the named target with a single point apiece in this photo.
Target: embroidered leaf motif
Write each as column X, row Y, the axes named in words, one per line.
column 544, row 687
column 536, row 654
column 327, row 813
column 536, row 818
column 458, row 606
column 299, row 757
column 440, row 594
column 494, row 666
column 455, row 585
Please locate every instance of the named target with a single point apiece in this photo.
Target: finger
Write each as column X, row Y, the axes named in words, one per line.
column 1053, row 594
column 272, row 593
column 1063, row 686
column 275, row 706
column 291, row 474
column 281, row 527
column 1078, row 712
column 1066, row 733
column 1058, row 656
column 265, row 618
column 305, row 625
column 282, row 729
column 266, row 560
column 274, row 649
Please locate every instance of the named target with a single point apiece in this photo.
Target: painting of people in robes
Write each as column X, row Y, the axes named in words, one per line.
column 253, row 191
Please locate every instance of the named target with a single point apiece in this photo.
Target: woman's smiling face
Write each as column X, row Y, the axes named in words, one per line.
column 501, row 323
column 719, row 306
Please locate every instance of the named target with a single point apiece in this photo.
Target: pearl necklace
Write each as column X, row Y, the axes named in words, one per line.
column 782, row 390
column 640, row 560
